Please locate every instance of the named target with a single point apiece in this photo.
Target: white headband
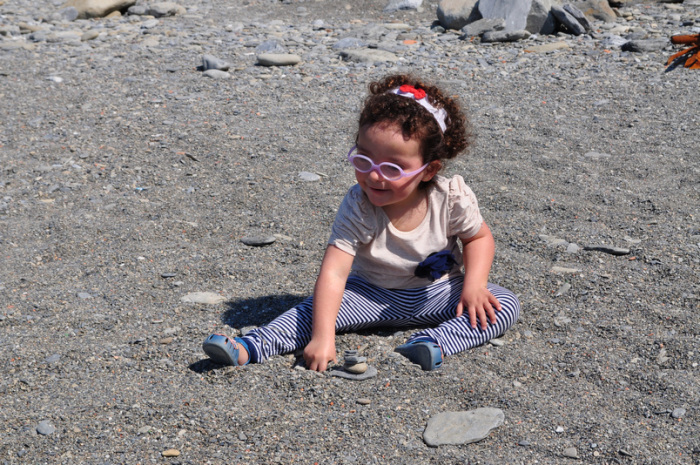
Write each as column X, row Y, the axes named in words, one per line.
column 420, row 96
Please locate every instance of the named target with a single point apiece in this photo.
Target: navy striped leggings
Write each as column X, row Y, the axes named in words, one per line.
column 367, row 306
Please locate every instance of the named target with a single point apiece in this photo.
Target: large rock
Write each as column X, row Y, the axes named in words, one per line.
column 477, row 28
column 165, row 9
column 533, row 16
column 596, row 9
column 568, row 20
column 98, row 8
column 455, row 14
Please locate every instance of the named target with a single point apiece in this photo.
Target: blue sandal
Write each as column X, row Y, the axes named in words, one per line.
column 223, row 350
column 427, row 354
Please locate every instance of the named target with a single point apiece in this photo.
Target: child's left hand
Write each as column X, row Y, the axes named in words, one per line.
column 480, row 304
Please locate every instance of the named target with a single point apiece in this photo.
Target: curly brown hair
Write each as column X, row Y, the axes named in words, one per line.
column 415, row 121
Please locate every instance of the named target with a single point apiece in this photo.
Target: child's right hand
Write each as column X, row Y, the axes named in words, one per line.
column 318, row 353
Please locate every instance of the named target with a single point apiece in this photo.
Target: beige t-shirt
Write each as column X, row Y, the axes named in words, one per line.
column 387, row 257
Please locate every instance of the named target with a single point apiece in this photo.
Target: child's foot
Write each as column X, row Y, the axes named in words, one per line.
column 427, row 354
column 226, row 351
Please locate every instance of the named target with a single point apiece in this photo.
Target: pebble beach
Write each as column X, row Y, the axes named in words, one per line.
column 175, row 170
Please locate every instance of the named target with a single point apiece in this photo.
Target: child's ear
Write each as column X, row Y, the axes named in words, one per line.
column 432, row 170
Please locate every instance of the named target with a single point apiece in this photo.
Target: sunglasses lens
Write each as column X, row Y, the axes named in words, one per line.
column 361, row 163
column 390, row 172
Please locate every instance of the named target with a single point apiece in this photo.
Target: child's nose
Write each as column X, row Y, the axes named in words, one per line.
column 376, row 175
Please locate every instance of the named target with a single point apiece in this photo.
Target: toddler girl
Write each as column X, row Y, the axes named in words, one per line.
column 393, row 258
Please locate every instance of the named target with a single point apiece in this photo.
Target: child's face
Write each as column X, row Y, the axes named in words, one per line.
column 385, row 143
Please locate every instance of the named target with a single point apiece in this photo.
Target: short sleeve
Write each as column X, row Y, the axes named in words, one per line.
column 355, row 223
column 464, row 216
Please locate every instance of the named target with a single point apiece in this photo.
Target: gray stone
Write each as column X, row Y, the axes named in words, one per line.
column 84, row 295
column 562, row 290
column 165, row 9
column 368, row 56
column 352, row 359
column 514, row 12
column 212, row 62
column 455, row 14
column 395, row 5
column 258, row 241
column 278, row 59
column 570, row 452
column 565, row 270
column 572, row 248
column 89, row 35
column 45, row 428
column 645, row 46
column 349, row 42
column 150, row 24
column 678, row 413
column 342, row 373
column 216, row 74
column 613, row 41
column 477, row 28
column 69, row 13
column 138, row 10
column 607, row 249
column 455, row 428
column 309, row 177
column 504, row 36
column 540, row 19
column 208, row 298
column 270, row 46
column 570, row 23
column 98, row 8
column 580, row 17
column 53, row 358
column 356, row 368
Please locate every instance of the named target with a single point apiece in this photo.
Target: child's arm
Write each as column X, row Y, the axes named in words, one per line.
column 478, row 252
column 328, row 294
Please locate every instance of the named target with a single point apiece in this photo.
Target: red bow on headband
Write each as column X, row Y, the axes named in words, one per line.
column 417, row 93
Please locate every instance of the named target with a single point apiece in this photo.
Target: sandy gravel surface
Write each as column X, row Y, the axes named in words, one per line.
column 128, row 179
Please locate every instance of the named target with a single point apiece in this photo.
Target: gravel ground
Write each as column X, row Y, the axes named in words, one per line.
column 128, row 180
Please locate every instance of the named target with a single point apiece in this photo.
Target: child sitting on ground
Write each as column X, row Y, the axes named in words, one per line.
column 393, row 258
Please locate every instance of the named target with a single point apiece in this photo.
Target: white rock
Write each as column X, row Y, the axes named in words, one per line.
column 462, row 427
column 209, row 298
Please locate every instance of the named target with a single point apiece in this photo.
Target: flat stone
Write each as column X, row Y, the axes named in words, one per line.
column 497, row 342
column 89, row 35
column 645, row 46
column 349, row 42
column 216, row 74
column 570, row 452
column 341, row 373
column 45, row 428
column 53, row 358
column 209, row 298
column 364, row 401
column 84, row 295
column 368, row 56
column 504, row 36
column 258, row 241
column 607, row 249
column 456, row 428
column 309, row 177
column 352, row 359
column 565, row 270
column 171, row 453
column 278, row 59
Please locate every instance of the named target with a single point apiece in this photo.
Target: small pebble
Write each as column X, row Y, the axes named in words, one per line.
column 171, row 453
column 357, row 368
column 570, row 452
column 45, row 428
column 678, row 413
column 364, row 401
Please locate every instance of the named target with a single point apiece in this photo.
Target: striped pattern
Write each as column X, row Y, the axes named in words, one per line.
column 367, row 306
